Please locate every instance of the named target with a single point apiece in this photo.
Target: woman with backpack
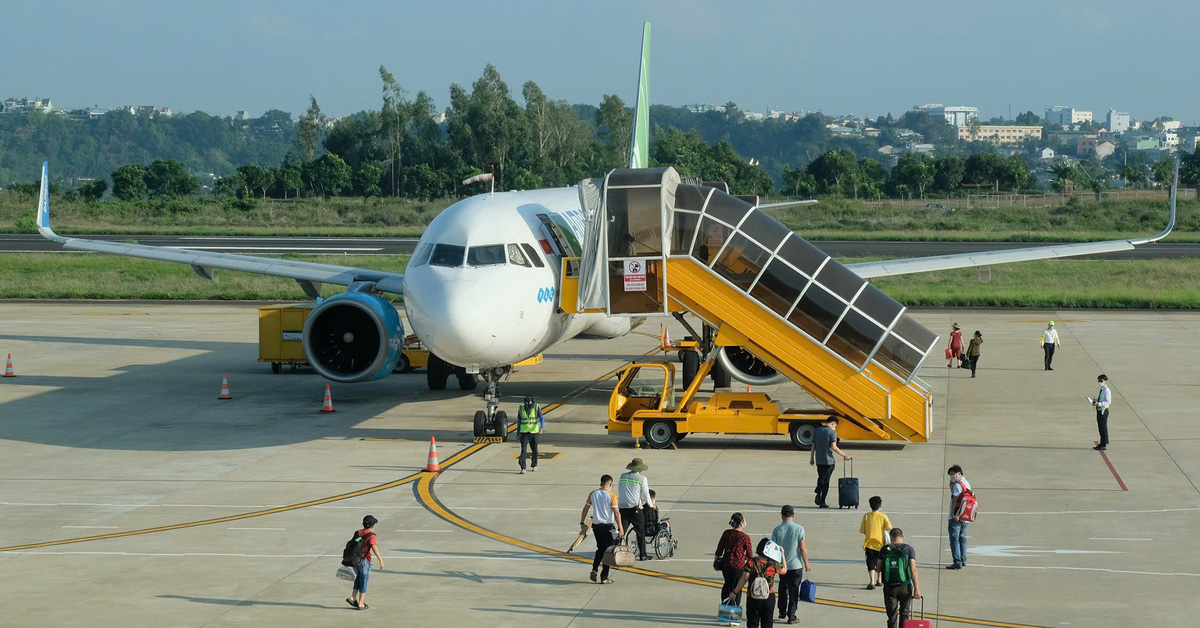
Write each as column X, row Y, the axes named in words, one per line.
column 732, row 553
column 973, row 352
column 759, row 575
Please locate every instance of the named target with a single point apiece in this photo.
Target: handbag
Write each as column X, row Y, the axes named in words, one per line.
column 618, row 556
column 346, row 572
column 949, row 354
column 808, row 591
column 729, row 615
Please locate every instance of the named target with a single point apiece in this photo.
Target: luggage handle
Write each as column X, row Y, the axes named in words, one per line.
column 851, row 463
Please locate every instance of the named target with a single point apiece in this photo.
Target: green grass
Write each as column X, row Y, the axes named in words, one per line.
column 1144, row 284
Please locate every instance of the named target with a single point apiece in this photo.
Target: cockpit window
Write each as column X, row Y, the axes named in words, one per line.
column 515, row 256
column 487, row 255
column 449, row 255
column 421, row 257
column 533, row 256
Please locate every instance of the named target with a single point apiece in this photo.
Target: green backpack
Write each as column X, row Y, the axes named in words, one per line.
column 895, row 565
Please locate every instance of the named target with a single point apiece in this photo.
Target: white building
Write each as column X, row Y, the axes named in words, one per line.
column 1066, row 116
column 1118, row 121
column 954, row 116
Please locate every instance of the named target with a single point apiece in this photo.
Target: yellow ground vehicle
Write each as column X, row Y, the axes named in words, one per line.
column 414, row 356
column 280, row 329
column 644, row 405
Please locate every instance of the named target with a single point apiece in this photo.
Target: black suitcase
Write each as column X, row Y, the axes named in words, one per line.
column 848, row 488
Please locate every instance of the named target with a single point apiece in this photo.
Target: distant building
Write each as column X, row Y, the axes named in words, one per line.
column 165, row 112
column 1046, row 154
column 922, row 149
column 999, row 133
column 1118, row 121
column 954, row 116
column 1086, row 144
column 1168, row 125
column 13, row 105
column 331, row 122
column 1142, row 140
column 438, row 117
column 1066, row 116
column 241, row 115
column 145, row 110
column 1105, row 149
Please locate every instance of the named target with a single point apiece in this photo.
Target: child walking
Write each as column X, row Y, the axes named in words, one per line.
column 874, row 528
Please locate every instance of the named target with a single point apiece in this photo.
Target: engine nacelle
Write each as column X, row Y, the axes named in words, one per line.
column 353, row 337
column 745, row 367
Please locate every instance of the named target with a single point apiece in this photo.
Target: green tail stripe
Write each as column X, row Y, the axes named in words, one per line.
column 639, row 147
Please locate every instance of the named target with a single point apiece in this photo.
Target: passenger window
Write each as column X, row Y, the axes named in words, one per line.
column 533, row 255
column 489, row 255
column 448, row 255
column 516, row 257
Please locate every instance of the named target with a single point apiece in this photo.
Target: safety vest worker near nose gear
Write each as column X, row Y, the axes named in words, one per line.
column 529, row 419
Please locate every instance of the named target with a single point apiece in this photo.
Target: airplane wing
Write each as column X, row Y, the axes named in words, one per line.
column 870, row 270
column 309, row 275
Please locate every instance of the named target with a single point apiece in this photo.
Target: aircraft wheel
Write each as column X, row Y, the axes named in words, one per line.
column 479, row 426
column 660, row 434
column 691, row 365
column 502, row 425
column 802, row 435
column 720, row 377
column 436, row 373
column 466, row 381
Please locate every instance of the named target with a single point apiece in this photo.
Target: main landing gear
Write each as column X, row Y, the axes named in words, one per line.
column 493, row 421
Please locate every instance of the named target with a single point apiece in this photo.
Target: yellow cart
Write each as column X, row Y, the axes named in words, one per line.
column 280, row 334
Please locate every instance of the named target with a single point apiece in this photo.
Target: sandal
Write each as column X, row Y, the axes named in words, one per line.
column 363, row 607
column 352, row 602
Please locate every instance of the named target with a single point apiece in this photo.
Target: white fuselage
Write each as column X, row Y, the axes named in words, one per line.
column 481, row 290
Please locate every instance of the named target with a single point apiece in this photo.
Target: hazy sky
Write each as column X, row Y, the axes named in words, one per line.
column 867, row 57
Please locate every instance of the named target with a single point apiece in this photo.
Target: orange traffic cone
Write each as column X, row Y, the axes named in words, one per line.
column 224, row 388
column 432, row 464
column 8, row 370
column 327, row 406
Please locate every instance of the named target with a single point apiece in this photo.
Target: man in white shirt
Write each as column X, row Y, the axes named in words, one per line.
column 633, row 497
column 1049, row 342
column 957, row 529
column 1101, row 403
column 605, row 523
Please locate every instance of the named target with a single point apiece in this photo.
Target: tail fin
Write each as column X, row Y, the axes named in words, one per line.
column 43, row 212
column 639, row 147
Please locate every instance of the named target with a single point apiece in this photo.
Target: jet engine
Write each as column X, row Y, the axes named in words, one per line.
column 353, row 337
column 746, row 367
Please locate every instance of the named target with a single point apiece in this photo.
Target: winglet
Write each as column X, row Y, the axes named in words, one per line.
column 43, row 212
column 1171, row 216
column 639, row 146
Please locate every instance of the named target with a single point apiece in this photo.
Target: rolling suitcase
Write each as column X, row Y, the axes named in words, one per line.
column 919, row 623
column 848, row 489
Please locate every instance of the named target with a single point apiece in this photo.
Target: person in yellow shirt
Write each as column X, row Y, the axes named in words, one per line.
column 874, row 527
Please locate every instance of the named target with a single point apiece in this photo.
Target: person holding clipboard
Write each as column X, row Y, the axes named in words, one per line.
column 1102, row 401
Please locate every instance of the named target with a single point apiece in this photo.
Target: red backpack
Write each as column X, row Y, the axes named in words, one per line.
column 967, row 506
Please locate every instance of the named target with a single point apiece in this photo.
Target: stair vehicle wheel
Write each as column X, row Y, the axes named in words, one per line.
column 436, row 373
column 802, row 435
column 276, row 367
column 466, row 381
column 502, row 425
column 659, row 434
column 664, row 545
column 479, row 427
column 720, row 377
column 691, row 365
column 402, row 365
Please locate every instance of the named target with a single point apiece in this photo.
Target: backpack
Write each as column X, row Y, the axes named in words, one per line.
column 760, row 586
column 895, row 565
column 353, row 554
column 967, row 506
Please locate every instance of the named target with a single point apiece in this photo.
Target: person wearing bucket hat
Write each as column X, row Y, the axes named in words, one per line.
column 1049, row 343
column 633, row 497
column 955, row 346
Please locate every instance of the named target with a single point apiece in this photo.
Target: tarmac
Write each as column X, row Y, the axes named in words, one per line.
column 132, row 496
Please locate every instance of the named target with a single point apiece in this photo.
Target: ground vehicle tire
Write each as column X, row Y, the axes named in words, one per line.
column 680, row 436
column 680, row 354
column 802, row 435
column 502, row 425
column 720, row 377
column 479, row 426
column 466, row 381
column 659, row 434
column 276, row 367
column 691, row 365
column 402, row 365
column 436, row 373
column 664, row 545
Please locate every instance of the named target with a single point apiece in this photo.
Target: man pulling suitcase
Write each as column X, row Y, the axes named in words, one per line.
column 824, row 445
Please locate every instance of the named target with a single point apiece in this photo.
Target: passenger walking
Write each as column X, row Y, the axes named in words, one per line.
column 760, row 574
column 957, row 529
column 898, row 568
column 790, row 536
column 1049, row 342
column 973, row 352
column 824, row 445
column 362, row 563
column 1102, row 401
column 874, row 528
column 606, row 520
column 733, row 550
column 530, row 423
column 633, row 497
column 955, row 346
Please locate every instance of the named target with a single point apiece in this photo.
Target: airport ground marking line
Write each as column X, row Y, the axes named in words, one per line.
column 1111, row 468
column 454, row 459
column 423, row 490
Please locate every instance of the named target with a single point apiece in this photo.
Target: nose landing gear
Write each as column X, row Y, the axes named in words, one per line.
column 492, row 421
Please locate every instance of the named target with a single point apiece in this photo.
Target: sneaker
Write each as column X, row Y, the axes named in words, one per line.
column 595, row 576
column 954, row 566
column 533, row 470
column 782, row 616
column 823, row 506
column 522, row 471
column 1099, row 447
column 817, row 501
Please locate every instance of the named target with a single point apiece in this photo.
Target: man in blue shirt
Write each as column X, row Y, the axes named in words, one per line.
column 824, row 445
column 1102, row 401
column 790, row 536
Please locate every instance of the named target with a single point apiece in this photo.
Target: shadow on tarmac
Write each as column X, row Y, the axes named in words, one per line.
column 230, row 602
column 480, row 578
column 644, row 617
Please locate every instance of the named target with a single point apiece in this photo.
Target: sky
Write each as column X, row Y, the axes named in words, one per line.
column 867, row 57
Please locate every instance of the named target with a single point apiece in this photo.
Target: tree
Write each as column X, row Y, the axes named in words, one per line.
column 915, row 171
column 985, row 168
column 1134, row 177
column 948, row 173
column 309, row 134
column 168, row 178
column 614, row 126
column 232, row 186
column 93, row 190
column 1029, row 118
column 1164, row 171
column 1064, row 177
column 1189, row 167
column 394, row 125
column 486, row 125
column 366, row 180
column 328, row 175
column 129, row 182
column 257, row 178
column 288, row 178
column 798, row 182
column 831, row 169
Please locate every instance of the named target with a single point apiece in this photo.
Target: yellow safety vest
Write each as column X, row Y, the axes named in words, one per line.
column 527, row 422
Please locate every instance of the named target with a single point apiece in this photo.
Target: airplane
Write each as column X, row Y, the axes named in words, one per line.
column 481, row 288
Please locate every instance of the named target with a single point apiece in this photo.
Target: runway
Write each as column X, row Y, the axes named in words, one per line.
column 259, row 245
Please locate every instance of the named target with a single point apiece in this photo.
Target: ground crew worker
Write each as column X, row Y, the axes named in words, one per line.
column 633, row 497
column 1049, row 342
column 1102, row 401
column 530, row 423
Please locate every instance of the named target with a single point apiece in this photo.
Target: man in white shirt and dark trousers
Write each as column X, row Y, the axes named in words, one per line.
column 1102, row 401
column 1049, row 342
column 633, row 497
column 957, row 529
column 605, row 523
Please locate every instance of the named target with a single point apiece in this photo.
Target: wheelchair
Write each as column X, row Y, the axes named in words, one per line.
column 658, row 537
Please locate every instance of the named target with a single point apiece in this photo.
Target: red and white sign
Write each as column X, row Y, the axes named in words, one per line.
column 635, row 275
